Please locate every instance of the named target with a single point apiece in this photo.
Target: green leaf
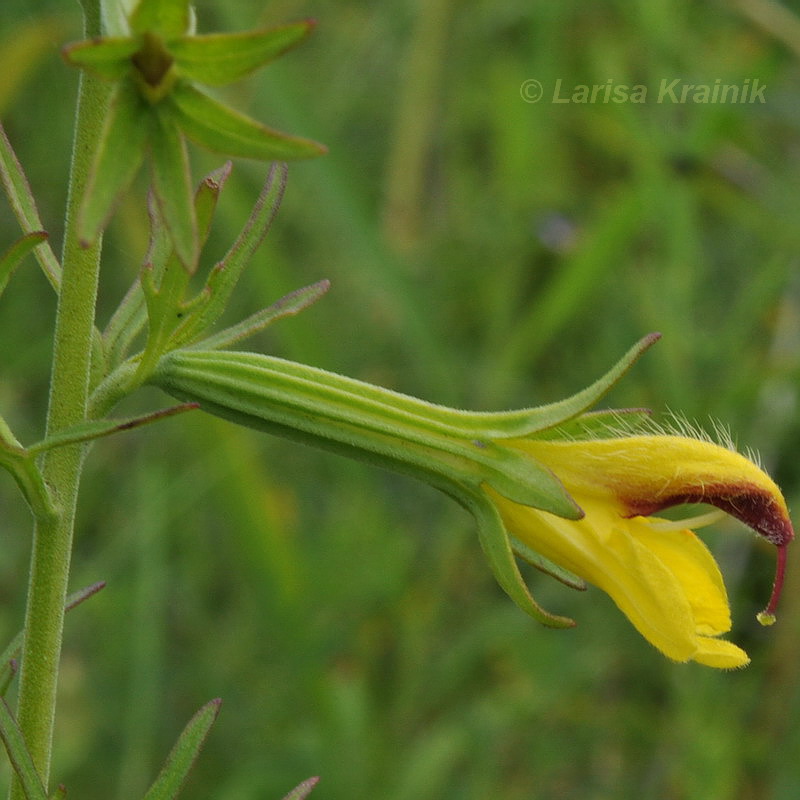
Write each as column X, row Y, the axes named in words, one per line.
column 172, row 185
column 96, row 429
column 211, row 124
column 119, row 155
column 497, row 548
column 221, row 58
column 293, row 303
column 183, row 755
column 170, row 18
column 11, row 259
column 303, row 790
column 19, row 756
column 108, row 58
column 23, row 204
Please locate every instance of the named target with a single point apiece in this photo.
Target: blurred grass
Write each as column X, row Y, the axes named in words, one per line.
column 484, row 252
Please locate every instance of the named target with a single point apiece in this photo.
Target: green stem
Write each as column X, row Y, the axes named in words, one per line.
column 52, row 539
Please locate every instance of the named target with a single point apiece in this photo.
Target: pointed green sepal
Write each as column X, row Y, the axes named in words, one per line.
column 529, row 421
column 118, row 157
column 169, row 18
column 211, row 124
column 557, row 413
column 183, row 755
column 521, row 479
column 530, row 556
column 12, row 258
column 218, row 59
column 108, row 58
column 497, row 548
column 172, row 185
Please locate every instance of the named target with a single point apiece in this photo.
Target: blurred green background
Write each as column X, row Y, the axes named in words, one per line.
column 484, row 252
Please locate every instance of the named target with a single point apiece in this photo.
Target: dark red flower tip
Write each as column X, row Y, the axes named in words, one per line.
column 750, row 504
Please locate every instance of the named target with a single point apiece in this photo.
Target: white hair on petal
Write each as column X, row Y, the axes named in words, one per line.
column 621, row 424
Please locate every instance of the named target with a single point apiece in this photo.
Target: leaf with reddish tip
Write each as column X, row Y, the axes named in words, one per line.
column 217, row 59
column 183, row 755
column 120, row 152
column 211, row 124
column 8, row 658
column 98, row 428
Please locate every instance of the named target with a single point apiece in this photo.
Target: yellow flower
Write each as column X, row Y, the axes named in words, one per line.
column 664, row 580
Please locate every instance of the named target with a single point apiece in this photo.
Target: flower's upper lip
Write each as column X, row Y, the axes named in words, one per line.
column 750, row 504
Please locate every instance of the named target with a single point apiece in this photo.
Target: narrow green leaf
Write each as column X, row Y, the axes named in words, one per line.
column 497, row 548
column 119, row 155
column 211, row 124
column 82, row 595
column 23, row 204
column 19, row 756
column 108, row 58
column 170, row 18
column 172, row 185
column 183, row 755
column 287, row 306
column 226, row 274
column 221, row 58
column 303, row 790
column 96, row 429
column 11, row 259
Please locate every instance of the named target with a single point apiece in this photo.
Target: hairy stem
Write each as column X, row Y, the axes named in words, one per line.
column 52, row 539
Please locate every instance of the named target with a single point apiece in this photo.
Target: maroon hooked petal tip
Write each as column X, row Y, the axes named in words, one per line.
column 748, row 503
